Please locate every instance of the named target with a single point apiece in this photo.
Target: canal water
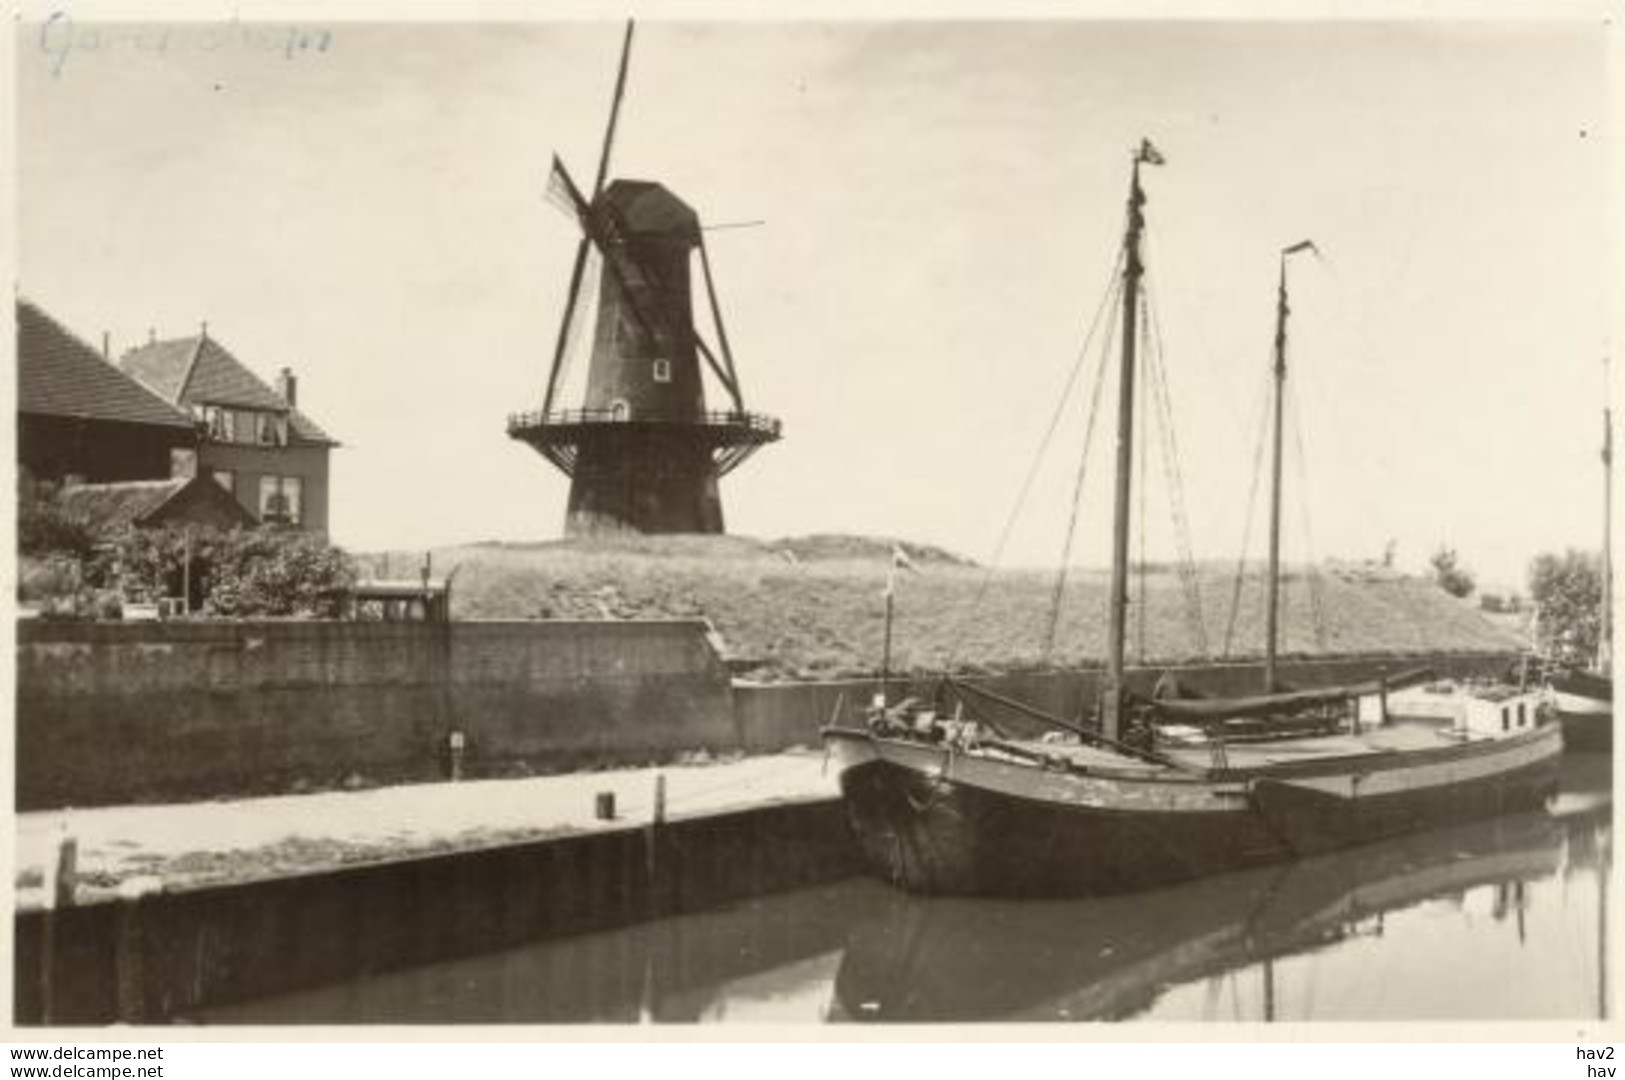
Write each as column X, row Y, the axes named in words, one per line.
column 1503, row 919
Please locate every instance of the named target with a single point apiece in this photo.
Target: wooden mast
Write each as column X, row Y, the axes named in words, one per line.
column 1605, row 631
column 1112, row 692
column 1273, row 602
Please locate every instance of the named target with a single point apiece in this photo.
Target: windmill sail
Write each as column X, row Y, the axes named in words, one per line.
column 643, row 452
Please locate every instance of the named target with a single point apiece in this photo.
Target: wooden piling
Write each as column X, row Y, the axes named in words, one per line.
column 654, row 888
column 130, row 948
column 67, row 872
column 60, row 889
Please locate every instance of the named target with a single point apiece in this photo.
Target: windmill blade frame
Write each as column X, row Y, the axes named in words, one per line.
column 614, row 112
column 563, row 341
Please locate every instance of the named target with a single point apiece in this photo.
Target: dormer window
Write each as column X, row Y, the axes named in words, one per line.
column 270, row 429
column 221, row 423
column 662, row 370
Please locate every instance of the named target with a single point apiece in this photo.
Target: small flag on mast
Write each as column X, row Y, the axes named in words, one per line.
column 1150, row 154
column 899, row 560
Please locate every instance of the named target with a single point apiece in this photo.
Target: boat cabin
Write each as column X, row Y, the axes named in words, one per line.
column 1467, row 709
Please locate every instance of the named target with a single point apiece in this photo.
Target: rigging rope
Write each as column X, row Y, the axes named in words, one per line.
column 1077, row 484
column 1313, row 579
column 1140, row 607
column 1247, row 520
column 1190, row 577
column 975, row 604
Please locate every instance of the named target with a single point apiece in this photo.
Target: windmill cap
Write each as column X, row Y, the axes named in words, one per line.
column 647, row 207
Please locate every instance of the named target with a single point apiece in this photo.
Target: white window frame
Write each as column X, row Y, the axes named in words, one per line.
column 222, row 423
column 277, row 487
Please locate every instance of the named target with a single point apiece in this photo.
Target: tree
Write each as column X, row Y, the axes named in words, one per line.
column 1567, row 592
column 44, row 528
column 1449, row 574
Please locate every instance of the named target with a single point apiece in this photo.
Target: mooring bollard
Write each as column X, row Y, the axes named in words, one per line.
column 654, row 892
column 67, row 872
column 454, row 744
column 129, row 949
column 604, row 806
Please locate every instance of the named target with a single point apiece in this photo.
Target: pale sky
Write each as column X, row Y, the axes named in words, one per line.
column 943, row 202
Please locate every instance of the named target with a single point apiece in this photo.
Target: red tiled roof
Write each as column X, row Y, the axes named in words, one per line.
column 198, row 370
column 60, row 375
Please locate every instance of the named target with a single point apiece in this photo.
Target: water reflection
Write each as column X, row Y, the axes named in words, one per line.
column 1501, row 919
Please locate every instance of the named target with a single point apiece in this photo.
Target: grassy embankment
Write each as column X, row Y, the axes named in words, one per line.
column 820, row 614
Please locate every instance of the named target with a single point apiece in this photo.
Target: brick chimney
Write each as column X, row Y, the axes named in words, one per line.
column 288, row 387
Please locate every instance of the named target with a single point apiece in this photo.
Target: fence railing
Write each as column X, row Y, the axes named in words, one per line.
column 755, row 423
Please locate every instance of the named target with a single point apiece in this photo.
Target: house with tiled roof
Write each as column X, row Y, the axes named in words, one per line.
column 255, row 441
column 146, row 504
column 80, row 418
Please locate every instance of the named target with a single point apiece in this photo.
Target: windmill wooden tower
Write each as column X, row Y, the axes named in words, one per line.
column 642, row 452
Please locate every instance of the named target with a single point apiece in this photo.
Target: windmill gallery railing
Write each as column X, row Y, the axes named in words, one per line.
column 557, row 433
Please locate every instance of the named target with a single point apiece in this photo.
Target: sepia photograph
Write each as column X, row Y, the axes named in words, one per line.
column 808, row 523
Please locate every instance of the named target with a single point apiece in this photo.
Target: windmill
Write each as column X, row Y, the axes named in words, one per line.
column 642, row 452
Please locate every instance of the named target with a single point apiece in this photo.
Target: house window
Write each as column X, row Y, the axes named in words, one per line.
column 269, row 429
column 226, row 479
column 619, row 409
column 281, row 499
column 1523, row 717
column 1506, row 718
column 222, row 423
column 662, row 370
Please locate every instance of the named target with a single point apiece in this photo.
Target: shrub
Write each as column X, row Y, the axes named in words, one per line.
column 241, row 573
column 44, row 528
column 276, row 572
